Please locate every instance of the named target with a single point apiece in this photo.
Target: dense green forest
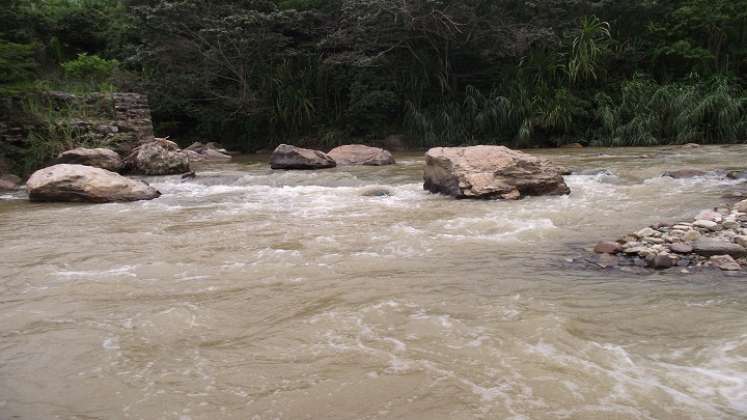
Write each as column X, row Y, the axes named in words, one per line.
column 252, row 73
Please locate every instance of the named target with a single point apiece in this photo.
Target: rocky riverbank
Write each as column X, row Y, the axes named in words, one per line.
column 714, row 239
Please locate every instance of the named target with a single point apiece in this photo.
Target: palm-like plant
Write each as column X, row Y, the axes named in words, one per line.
column 587, row 49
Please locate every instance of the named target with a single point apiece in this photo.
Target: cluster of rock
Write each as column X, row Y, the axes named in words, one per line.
column 95, row 175
column 713, row 239
column 480, row 172
column 291, row 157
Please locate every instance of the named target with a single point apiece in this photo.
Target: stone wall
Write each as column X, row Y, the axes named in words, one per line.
column 119, row 121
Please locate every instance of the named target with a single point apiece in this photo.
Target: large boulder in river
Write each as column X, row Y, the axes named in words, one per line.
column 82, row 183
column 490, row 172
column 157, row 157
column 291, row 157
column 359, row 154
column 199, row 152
column 98, row 158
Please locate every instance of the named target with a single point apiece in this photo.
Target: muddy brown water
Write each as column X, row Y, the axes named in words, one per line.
column 252, row 294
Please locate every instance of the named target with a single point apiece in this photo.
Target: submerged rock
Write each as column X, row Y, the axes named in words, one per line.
column 490, row 172
column 157, row 157
column 291, row 157
column 377, row 192
column 684, row 173
column 608, row 247
column 98, row 158
column 80, row 183
column 358, row 154
column 593, row 172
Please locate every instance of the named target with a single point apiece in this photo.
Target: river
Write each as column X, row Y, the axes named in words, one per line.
column 248, row 293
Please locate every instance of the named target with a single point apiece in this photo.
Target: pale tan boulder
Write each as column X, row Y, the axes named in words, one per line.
column 358, row 154
column 490, row 172
column 80, row 183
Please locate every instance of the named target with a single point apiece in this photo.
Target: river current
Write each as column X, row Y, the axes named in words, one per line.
column 248, row 293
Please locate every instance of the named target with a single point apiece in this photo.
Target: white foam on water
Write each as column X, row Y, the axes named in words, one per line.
column 124, row 271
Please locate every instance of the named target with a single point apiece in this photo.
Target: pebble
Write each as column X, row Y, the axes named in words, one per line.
column 645, row 232
column 681, row 248
column 706, row 224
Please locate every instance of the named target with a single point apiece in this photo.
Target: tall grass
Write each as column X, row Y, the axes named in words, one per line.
column 647, row 114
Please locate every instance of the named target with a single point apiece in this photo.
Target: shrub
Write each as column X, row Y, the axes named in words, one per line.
column 89, row 68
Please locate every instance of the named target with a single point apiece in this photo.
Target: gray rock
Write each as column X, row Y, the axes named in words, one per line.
column 663, row 261
column 157, row 157
column 681, row 248
column 708, row 247
column 210, row 152
column 490, row 172
column 725, row 263
column 291, row 157
column 741, row 206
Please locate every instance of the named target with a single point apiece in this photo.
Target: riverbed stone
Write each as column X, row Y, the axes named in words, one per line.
column 710, row 215
column 80, row 183
column 681, row 248
column 645, row 232
column 359, row 154
column 608, row 247
column 725, row 263
column 490, row 172
column 157, row 157
column 210, row 152
column 684, row 173
column 98, row 158
column 741, row 206
column 706, row 224
column 662, row 261
column 291, row 157
column 708, row 247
